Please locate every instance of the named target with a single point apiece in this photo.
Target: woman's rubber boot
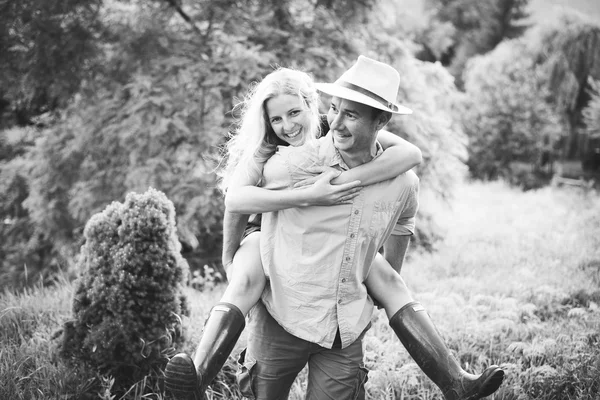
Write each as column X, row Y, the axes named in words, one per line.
column 421, row 338
column 187, row 379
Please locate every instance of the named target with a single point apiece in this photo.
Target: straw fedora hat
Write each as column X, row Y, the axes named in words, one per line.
column 368, row 82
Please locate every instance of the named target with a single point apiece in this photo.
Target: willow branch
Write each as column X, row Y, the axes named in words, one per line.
column 183, row 14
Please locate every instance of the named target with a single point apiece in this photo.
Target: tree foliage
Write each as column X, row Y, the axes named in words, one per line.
column 47, row 48
column 568, row 47
column 156, row 111
column 591, row 119
column 528, row 95
column 591, row 113
column 21, row 249
column 506, row 114
column 462, row 29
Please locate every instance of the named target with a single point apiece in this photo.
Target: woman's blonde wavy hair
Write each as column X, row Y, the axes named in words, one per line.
column 254, row 141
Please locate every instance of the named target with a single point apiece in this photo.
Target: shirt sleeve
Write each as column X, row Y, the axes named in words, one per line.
column 405, row 226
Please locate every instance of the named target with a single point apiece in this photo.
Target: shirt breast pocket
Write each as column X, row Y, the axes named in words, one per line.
column 381, row 218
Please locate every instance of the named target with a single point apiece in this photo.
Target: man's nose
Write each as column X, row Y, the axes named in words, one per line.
column 336, row 124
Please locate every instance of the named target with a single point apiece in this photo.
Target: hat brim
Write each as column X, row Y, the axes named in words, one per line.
column 345, row 93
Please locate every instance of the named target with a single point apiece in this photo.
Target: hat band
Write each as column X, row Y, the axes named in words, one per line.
column 368, row 93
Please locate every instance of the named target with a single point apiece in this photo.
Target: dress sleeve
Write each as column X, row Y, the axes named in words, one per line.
column 301, row 161
column 276, row 172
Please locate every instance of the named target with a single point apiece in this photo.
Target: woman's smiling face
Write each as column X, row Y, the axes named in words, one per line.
column 289, row 118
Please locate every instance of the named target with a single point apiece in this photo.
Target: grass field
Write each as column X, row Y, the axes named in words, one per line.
column 515, row 282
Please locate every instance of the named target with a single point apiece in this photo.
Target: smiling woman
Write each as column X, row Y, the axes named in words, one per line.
column 289, row 118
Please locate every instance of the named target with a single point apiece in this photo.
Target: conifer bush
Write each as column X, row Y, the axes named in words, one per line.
column 129, row 292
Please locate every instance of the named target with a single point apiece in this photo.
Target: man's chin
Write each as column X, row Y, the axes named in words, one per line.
column 342, row 144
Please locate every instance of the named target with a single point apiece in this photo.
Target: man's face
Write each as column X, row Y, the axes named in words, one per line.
column 352, row 124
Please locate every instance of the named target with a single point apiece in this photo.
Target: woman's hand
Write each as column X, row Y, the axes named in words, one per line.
column 319, row 172
column 322, row 193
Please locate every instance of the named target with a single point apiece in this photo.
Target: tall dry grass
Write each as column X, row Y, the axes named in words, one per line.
column 515, row 281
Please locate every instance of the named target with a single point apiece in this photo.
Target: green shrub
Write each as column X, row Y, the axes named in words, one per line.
column 506, row 114
column 129, row 292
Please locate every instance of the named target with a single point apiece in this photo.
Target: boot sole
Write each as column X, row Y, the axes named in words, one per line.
column 181, row 380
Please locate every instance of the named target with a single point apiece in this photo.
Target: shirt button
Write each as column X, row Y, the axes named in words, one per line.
column 352, row 235
column 343, row 280
column 347, row 258
column 356, row 211
column 340, row 301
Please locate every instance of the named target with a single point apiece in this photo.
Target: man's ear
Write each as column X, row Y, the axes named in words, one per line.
column 383, row 119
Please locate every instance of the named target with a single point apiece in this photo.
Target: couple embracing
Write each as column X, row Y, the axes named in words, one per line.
column 326, row 194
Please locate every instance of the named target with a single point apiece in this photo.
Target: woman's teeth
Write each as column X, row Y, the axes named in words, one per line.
column 293, row 134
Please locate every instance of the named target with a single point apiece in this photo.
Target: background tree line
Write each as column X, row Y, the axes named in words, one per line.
column 102, row 97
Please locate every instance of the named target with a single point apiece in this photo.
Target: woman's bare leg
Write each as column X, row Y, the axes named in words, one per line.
column 187, row 378
column 387, row 287
column 245, row 275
